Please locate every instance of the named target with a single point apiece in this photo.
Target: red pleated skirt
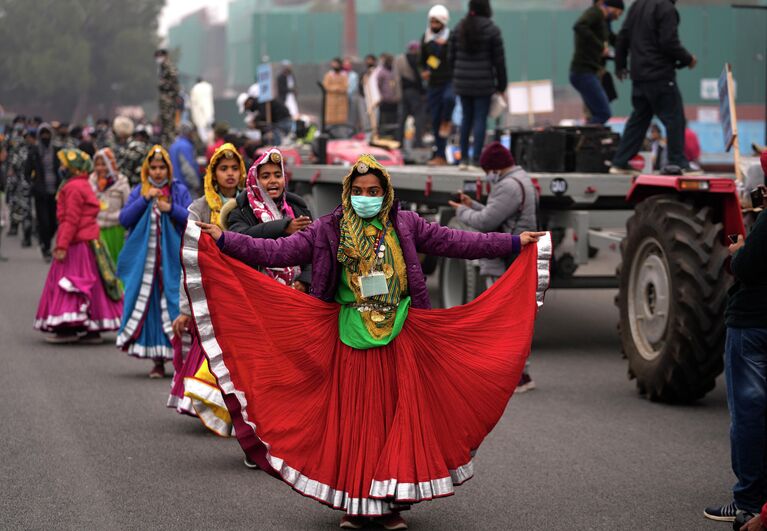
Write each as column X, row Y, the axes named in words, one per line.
column 364, row 431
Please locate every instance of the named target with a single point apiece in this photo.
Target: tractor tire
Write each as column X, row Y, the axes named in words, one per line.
column 671, row 299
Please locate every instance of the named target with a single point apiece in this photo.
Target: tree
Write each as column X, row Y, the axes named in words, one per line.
column 65, row 58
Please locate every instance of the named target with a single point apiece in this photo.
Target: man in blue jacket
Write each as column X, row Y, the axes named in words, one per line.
column 182, row 157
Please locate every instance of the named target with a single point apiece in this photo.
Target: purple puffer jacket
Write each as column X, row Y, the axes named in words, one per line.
column 318, row 244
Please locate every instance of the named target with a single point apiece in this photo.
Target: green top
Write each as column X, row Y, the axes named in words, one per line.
column 351, row 328
column 591, row 34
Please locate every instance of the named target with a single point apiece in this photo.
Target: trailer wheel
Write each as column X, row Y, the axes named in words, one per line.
column 459, row 280
column 672, row 296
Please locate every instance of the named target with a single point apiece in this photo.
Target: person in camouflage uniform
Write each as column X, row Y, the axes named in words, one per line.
column 20, row 187
column 131, row 157
column 169, row 92
column 14, row 140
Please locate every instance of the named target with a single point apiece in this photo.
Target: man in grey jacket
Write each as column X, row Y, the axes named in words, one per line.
column 511, row 207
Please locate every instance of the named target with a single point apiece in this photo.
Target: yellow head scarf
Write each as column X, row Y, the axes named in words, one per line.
column 156, row 150
column 211, row 187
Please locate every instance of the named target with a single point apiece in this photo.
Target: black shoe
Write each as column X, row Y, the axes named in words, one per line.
column 26, row 242
column 47, row 256
column 721, row 513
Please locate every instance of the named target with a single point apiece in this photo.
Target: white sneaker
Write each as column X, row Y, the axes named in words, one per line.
column 616, row 170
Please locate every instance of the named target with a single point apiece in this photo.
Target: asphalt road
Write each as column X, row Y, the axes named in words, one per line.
column 87, row 443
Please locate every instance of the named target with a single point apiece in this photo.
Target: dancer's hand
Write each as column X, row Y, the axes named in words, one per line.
column 735, row 247
column 214, row 230
column 530, row 237
column 164, row 206
column 59, row 254
column 298, row 224
column 299, row 286
column 152, row 193
column 180, row 324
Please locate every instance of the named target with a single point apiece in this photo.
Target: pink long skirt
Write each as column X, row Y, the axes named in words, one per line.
column 74, row 298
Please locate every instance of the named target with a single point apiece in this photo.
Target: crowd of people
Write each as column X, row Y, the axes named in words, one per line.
column 186, row 281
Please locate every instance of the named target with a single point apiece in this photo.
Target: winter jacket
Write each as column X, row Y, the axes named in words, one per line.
column 319, row 245
column 34, row 170
column 111, row 200
column 747, row 298
column 76, row 210
column 483, row 71
column 511, row 207
column 406, row 65
column 137, row 204
column 443, row 73
column 388, row 86
column 336, row 86
column 243, row 221
column 591, row 36
column 650, row 34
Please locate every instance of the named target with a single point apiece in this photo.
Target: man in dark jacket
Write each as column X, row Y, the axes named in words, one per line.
column 436, row 71
column 479, row 71
column 411, row 104
column 650, row 35
column 592, row 38
column 42, row 170
column 745, row 368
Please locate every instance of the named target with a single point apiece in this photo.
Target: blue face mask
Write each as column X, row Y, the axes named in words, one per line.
column 366, row 207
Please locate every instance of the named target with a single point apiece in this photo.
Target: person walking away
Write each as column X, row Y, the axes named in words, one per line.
column 194, row 390
column 287, row 89
column 437, row 72
column 183, row 158
column 745, row 366
column 43, row 172
column 336, row 86
column 511, row 207
column 112, row 190
column 650, row 37
column 391, row 93
column 150, row 266
column 202, row 109
column 592, row 46
column 406, row 65
column 479, row 71
column 81, row 297
column 169, row 91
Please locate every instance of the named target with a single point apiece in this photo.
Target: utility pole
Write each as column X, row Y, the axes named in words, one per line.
column 350, row 29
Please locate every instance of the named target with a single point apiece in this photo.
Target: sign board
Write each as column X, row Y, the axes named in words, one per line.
column 709, row 88
column 530, row 97
column 264, row 80
column 727, row 107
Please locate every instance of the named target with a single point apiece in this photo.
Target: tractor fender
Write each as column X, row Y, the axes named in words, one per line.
column 725, row 190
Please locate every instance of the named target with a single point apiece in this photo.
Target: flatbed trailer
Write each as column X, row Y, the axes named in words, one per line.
column 670, row 233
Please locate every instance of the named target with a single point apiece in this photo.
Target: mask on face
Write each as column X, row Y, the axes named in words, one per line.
column 158, row 184
column 366, row 207
column 492, row 176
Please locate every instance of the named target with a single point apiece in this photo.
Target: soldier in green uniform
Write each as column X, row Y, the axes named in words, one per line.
column 131, row 157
